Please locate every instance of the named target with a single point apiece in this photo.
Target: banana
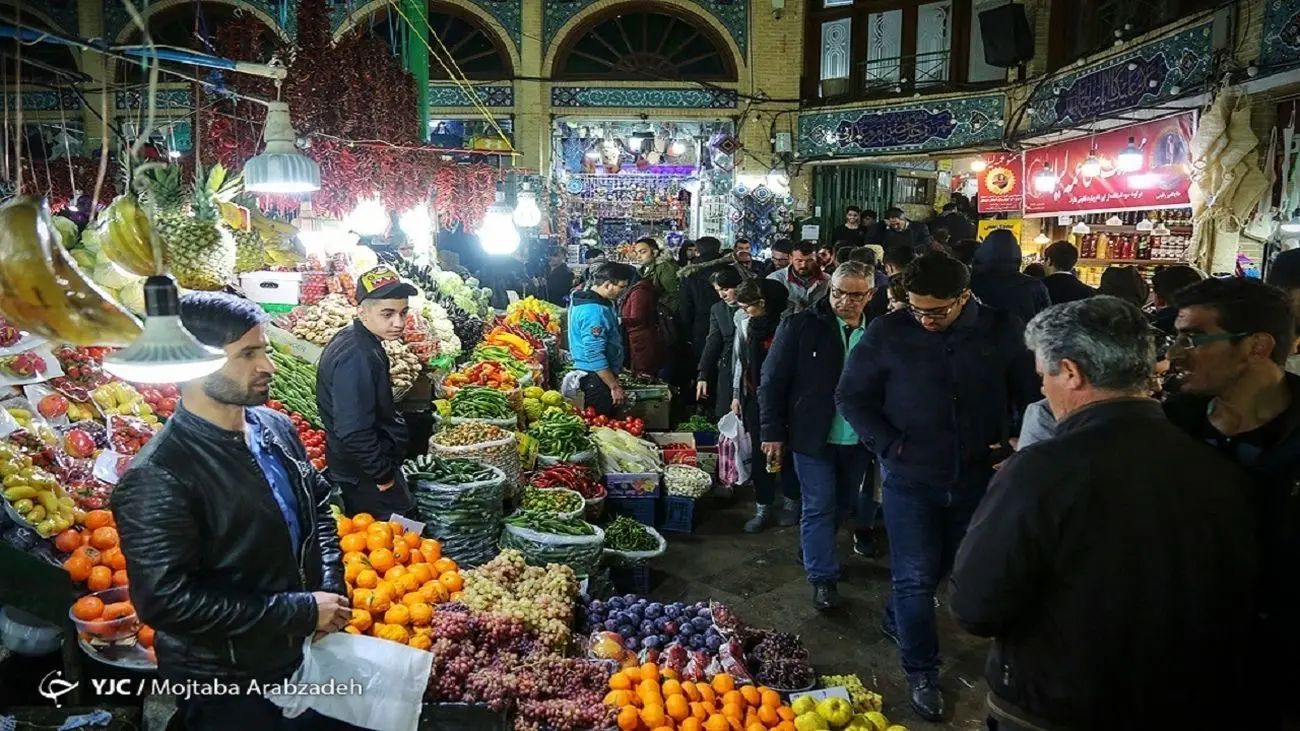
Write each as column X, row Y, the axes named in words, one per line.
column 41, row 289
column 128, row 242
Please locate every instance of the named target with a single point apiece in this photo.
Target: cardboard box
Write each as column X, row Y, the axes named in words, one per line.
column 686, row 456
column 654, row 413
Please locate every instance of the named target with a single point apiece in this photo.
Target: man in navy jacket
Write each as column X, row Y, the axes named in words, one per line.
column 797, row 411
column 933, row 391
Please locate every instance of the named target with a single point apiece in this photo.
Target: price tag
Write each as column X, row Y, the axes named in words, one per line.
column 1064, row 220
column 838, row 691
column 408, row 524
column 301, row 349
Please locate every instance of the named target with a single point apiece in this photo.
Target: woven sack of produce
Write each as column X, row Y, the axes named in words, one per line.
column 686, row 481
column 581, row 553
column 511, row 423
column 497, row 449
column 624, row 558
column 538, row 498
column 465, row 517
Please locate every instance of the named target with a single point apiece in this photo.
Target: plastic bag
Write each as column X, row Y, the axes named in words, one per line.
column 615, row 557
column 465, row 518
column 50, row 403
column 392, row 679
column 33, row 366
column 605, row 645
column 501, row 454
column 733, row 429
column 581, row 553
column 586, row 458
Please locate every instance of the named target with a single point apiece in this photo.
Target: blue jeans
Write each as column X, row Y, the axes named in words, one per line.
column 925, row 525
column 830, row 485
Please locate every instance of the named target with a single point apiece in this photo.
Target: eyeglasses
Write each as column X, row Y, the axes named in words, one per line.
column 938, row 313
column 1191, row 341
column 838, row 293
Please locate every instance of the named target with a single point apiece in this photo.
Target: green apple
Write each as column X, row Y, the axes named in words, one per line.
column 837, row 711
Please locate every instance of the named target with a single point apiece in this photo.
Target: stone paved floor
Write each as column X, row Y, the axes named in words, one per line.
column 760, row 577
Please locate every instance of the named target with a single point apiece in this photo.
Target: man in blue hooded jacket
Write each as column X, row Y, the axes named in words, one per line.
column 998, row 282
column 595, row 339
column 932, row 391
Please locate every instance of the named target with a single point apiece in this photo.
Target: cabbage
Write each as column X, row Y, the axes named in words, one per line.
column 132, row 296
column 114, row 277
column 68, row 233
column 90, row 239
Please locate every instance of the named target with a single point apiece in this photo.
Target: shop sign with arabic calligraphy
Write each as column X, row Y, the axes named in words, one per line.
column 938, row 125
column 1143, row 76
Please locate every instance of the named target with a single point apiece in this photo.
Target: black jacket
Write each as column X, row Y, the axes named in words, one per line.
column 843, row 235
column 365, row 437
column 1114, row 565
column 697, row 298
column 928, row 404
column 997, row 281
column 716, row 359
column 212, row 566
column 559, row 283
column 1275, row 495
column 796, row 394
column 956, row 224
column 916, row 236
column 1066, row 287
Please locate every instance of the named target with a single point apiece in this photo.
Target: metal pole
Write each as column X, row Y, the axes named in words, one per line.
column 417, row 57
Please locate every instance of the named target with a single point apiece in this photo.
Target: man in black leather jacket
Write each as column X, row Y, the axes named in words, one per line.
column 227, row 529
column 365, row 437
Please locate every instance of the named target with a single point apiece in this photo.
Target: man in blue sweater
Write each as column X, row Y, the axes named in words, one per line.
column 933, row 391
column 595, row 340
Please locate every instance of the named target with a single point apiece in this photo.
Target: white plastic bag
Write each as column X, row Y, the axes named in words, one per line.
column 731, row 427
column 390, row 682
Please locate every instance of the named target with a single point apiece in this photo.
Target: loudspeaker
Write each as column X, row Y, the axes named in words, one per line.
column 1008, row 40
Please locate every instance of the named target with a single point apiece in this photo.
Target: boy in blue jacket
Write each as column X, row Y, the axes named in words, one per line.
column 595, row 339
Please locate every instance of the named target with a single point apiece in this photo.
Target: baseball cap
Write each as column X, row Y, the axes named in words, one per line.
column 383, row 283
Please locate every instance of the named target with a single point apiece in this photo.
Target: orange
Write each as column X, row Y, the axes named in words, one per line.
column 421, row 614
column 68, row 541
column 362, row 521
column 662, row 728
column 113, row 558
column 92, row 555
column 699, row 711
column 97, row 519
column 120, row 578
column 78, row 567
column 351, row 630
column 353, row 542
column 678, row 708
column 767, row 715
column 343, row 525
column 732, row 710
column 382, row 559
column 376, row 540
column 456, row 595
column 672, row 687
column 395, row 573
column 393, row 588
column 361, row 619
column 355, row 557
column 653, row 716
column 688, row 688
column 145, row 637
column 367, row 578
column 451, row 581
column 411, row 539
column 434, row 592
column 628, row 719
column 396, row 529
column 648, row 687
column 620, row 681
column 717, row 723
column 431, row 549
column 751, row 718
column 397, row 614
column 786, row 726
column 634, row 673
column 690, row 724
column 443, row 565
column 770, row 698
column 786, row 713
column 755, row 726
column 751, row 695
column 104, row 538
column 412, row 598
column 88, row 608
column 723, row 682
column 101, row 578
column 409, row 583
column 402, row 553
column 421, row 642
column 380, row 529
column 732, row 697
column 422, row 572
column 650, row 671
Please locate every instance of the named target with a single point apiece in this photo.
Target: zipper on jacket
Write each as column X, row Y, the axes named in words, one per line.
column 294, row 550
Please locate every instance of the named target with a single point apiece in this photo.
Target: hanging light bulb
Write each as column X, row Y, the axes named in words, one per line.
column 527, row 214
column 164, row 352
column 1081, row 228
column 1291, row 226
column 280, row 169
column 1130, row 159
column 368, row 218
column 1041, row 239
column 978, row 165
column 677, row 148
column 1045, row 180
column 416, row 223
column 1091, row 167
column 497, row 234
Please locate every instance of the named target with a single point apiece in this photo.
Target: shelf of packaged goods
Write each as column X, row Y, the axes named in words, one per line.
column 1109, row 262
column 1176, row 229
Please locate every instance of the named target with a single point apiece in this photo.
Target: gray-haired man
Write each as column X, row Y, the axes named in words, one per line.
column 1115, row 561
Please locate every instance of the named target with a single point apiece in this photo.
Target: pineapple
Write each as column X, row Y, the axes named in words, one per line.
column 250, row 253
column 198, row 248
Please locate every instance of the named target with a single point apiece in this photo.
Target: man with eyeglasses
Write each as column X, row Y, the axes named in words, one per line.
column 1233, row 339
column 928, row 389
column 797, row 412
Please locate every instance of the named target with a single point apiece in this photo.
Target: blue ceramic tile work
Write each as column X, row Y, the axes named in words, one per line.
column 937, row 125
column 637, row 97
column 490, row 95
column 1280, row 40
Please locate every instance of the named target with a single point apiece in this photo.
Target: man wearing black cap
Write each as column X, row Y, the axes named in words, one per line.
column 365, row 437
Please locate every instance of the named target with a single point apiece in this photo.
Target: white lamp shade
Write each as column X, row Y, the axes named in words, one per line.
column 1130, row 159
column 1042, row 239
column 1091, row 167
column 164, row 352
column 527, row 214
column 1045, row 181
column 1081, row 228
column 280, row 169
column 497, row 234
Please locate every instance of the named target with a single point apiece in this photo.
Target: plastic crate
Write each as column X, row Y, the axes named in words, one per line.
column 634, row 580
column 632, row 484
column 679, row 514
column 706, row 439
column 641, row 509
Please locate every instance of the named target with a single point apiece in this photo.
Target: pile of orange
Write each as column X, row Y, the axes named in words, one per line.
column 650, row 699
column 95, row 557
column 395, row 579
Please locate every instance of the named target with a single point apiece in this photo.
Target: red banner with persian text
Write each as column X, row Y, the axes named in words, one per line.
column 1162, row 181
column 1001, row 183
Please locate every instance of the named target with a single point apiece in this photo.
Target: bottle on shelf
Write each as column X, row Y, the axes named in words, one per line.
column 1143, row 248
